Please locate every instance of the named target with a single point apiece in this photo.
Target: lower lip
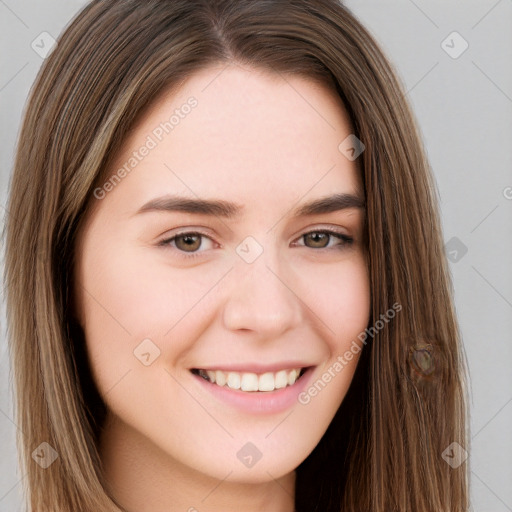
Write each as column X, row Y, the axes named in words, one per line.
column 258, row 402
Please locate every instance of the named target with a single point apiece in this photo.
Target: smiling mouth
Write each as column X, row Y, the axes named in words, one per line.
column 252, row 382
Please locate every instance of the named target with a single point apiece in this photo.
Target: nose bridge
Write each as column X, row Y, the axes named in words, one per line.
column 260, row 299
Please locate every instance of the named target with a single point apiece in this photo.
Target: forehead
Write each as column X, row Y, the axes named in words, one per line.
column 238, row 132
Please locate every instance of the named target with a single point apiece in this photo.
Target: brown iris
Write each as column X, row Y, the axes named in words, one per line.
column 190, row 242
column 317, row 238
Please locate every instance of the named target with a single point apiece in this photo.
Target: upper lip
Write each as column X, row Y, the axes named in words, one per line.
column 254, row 368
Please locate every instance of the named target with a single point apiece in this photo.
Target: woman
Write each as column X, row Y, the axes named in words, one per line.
column 225, row 271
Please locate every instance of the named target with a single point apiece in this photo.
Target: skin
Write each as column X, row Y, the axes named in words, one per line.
column 269, row 143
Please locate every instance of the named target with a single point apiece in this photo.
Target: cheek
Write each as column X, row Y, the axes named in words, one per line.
column 126, row 300
column 132, row 309
column 339, row 294
column 343, row 305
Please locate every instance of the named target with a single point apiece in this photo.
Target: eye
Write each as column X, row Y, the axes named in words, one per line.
column 321, row 239
column 187, row 242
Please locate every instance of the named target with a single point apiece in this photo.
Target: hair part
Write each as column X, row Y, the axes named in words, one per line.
column 383, row 450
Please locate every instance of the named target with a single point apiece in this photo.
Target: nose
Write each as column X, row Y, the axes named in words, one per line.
column 261, row 299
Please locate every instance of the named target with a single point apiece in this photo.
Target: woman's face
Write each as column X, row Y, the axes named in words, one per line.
column 221, row 250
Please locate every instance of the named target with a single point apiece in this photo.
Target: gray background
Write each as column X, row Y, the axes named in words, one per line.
column 464, row 108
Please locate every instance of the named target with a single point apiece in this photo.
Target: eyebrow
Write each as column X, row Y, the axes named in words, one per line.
column 220, row 208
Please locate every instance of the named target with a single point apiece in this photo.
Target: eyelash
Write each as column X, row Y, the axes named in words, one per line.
column 345, row 241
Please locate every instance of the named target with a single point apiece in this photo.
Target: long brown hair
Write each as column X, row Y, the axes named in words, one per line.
column 407, row 403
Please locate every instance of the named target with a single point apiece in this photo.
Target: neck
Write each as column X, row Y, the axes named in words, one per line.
column 143, row 478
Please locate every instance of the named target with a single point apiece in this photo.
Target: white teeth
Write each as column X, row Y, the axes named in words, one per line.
column 292, row 377
column 266, row 382
column 251, row 382
column 234, row 380
column 220, row 378
column 281, row 379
